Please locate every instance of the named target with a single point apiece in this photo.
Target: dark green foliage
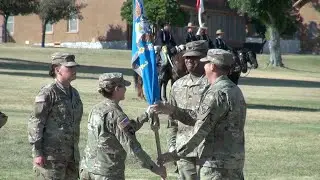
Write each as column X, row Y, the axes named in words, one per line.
column 55, row 10
column 52, row 11
column 14, row 8
column 276, row 13
column 158, row 12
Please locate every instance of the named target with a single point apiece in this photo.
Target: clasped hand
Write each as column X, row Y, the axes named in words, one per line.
column 167, row 157
column 161, row 107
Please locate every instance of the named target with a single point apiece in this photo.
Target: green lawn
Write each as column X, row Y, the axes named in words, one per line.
column 282, row 127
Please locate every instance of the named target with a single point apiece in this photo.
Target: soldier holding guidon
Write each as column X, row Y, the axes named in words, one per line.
column 111, row 134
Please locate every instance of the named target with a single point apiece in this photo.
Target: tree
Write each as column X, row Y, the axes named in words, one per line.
column 275, row 15
column 52, row 11
column 259, row 27
column 14, row 8
column 157, row 12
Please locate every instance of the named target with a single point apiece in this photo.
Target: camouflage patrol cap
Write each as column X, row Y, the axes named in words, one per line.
column 64, row 59
column 108, row 78
column 196, row 48
column 3, row 119
column 219, row 56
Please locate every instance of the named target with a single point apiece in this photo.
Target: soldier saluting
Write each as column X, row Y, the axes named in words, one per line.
column 202, row 34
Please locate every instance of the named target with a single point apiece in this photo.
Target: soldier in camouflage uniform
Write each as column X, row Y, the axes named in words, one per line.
column 3, row 119
column 111, row 134
column 219, row 123
column 54, row 125
column 186, row 93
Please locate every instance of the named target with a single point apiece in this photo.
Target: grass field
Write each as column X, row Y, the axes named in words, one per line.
column 282, row 127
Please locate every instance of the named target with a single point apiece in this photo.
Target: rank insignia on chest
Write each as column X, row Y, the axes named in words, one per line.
column 124, row 123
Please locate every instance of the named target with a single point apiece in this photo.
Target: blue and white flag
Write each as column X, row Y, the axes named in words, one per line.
column 143, row 53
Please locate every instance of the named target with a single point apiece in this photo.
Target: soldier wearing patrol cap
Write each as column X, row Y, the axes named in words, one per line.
column 218, row 122
column 54, row 125
column 3, row 119
column 111, row 134
column 186, row 93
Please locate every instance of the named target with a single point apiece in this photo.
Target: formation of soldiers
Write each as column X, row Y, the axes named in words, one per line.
column 206, row 115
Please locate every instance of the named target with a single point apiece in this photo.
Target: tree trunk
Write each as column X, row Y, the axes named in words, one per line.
column 5, row 32
column 274, row 47
column 43, row 38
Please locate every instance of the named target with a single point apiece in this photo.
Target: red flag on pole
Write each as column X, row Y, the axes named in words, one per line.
column 200, row 9
column 200, row 6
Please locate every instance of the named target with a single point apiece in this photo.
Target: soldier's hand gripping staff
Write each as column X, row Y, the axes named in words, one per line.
column 111, row 134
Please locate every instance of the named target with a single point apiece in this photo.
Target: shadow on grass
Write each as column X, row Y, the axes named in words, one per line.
column 281, row 108
column 300, row 70
column 21, row 64
column 37, row 75
column 254, row 81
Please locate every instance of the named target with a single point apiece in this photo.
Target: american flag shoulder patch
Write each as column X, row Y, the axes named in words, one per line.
column 124, row 123
column 40, row 98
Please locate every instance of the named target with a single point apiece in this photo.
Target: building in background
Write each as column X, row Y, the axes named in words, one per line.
column 217, row 15
column 309, row 31
column 103, row 27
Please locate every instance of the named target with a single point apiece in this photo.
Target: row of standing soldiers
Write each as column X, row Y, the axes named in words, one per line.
column 164, row 37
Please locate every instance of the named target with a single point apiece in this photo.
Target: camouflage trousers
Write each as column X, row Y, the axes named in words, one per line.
column 85, row 175
column 209, row 173
column 57, row 170
column 187, row 168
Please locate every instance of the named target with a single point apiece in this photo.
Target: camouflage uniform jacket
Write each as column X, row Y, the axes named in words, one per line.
column 54, row 125
column 220, row 125
column 186, row 93
column 110, row 135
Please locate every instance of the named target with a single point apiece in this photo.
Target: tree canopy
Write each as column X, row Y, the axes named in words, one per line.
column 276, row 15
column 157, row 12
column 52, row 11
column 14, row 8
column 17, row 7
column 55, row 10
